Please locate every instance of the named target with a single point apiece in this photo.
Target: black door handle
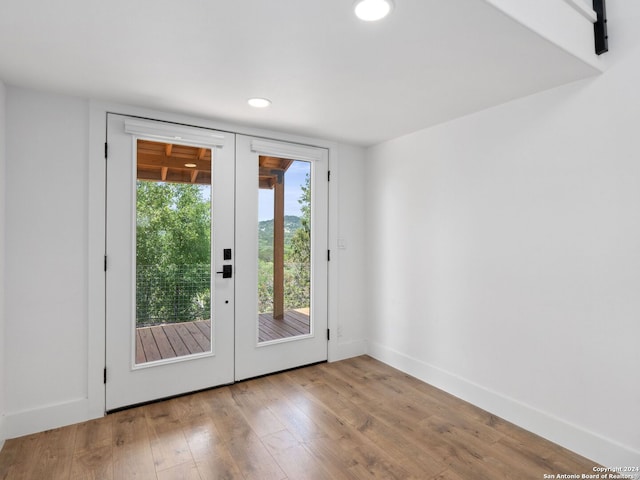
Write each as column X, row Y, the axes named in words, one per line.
column 227, row 271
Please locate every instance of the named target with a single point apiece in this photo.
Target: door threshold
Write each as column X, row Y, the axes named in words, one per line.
column 170, row 397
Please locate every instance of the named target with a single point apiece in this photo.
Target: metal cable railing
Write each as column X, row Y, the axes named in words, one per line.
column 172, row 293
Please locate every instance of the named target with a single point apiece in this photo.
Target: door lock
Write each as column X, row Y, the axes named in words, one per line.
column 227, row 271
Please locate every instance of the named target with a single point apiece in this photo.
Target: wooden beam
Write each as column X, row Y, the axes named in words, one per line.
column 163, row 174
column 266, row 183
column 201, row 153
column 194, row 176
column 157, row 161
column 167, row 149
column 278, row 250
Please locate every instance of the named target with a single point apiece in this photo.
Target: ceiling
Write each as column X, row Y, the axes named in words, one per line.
column 166, row 162
column 328, row 74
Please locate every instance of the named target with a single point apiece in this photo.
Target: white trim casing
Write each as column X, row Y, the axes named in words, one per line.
column 286, row 150
column 179, row 134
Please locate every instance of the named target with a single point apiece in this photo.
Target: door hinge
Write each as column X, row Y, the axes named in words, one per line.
column 105, row 263
column 328, row 334
column 105, row 375
column 328, row 175
column 328, row 255
column 106, row 149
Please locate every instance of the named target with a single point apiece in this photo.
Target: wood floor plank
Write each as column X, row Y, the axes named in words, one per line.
column 185, row 471
column 373, row 427
column 94, row 434
column 206, row 444
column 248, row 452
column 22, row 453
column 363, row 451
column 132, row 457
column 11, row 455
column 294, row 459
column 300, row 425
column 169, row 446
column 212, row 457
column 55, row 451
column 255, row 409
column 93, row 464
column 350, row 420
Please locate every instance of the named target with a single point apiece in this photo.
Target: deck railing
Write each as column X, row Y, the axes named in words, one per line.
column 172, row 293
column 182, row 293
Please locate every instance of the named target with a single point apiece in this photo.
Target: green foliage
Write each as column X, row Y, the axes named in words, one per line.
column 297, row 293
column 173, row 240
column 173, row 251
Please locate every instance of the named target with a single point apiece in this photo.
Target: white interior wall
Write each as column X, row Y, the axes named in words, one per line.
column 52, row 356
column 46, row 264
column 503, row 258
column 349, row 251
column 2, row 256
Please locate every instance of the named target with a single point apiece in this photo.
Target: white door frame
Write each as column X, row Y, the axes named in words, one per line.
column 96, row 231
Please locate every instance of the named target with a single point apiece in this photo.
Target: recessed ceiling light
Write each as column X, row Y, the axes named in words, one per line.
column 259, row 102
column 372, row 10
column 190, row 165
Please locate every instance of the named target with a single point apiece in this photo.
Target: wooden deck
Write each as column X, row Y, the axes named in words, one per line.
column 173, row 340
column 294, row 323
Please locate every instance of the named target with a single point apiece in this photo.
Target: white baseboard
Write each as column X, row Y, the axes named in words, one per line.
column 349, row 350
column 36, row 420
column 602, row 450
column 3, row 435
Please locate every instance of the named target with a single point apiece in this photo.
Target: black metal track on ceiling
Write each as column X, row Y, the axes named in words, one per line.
column 600, row 27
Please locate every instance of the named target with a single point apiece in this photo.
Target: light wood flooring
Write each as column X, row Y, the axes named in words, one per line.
column 355, row 419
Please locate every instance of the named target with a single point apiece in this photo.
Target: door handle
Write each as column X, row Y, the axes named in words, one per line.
column 227, row 271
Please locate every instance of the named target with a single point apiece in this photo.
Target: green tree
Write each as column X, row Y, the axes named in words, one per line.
column 298, row 256
column 173, row 240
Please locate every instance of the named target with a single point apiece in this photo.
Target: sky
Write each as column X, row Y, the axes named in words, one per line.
column 293, row 181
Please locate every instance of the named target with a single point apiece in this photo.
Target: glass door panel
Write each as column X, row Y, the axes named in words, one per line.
column 173, row 251
column 284, row 248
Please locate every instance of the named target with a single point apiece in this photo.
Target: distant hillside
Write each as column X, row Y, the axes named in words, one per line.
column 291, row 224
column 265, row 235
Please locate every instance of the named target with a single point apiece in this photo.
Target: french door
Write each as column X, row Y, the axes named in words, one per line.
column 169, row 318
column 281, row 250
column 212, row 258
